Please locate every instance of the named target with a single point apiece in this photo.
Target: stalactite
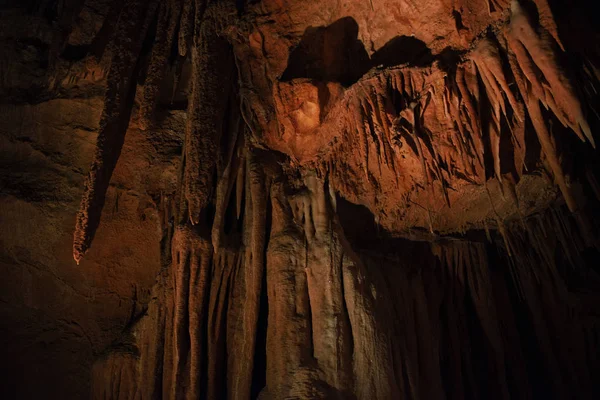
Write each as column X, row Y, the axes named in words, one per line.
column 129, row 36
column 539, row 52
column 168, row 22
column 186, row 25
column 472, row 118
column 213, row 69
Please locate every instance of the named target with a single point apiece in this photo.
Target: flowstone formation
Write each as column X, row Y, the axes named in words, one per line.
column 377, row 200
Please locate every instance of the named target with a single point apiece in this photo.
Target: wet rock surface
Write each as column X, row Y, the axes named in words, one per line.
column 382, row 199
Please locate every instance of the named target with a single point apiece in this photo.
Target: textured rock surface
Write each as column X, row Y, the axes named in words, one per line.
column 382, row 199
column 57, row 317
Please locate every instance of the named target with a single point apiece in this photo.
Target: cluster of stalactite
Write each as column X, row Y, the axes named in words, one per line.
column 194, row 29
column 264, row 294
column 462, row 120
column 466, row 118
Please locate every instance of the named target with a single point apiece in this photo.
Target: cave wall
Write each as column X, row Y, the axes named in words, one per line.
column 366, row 200
column 511, row 316
column 58, row 317
column 268, row 296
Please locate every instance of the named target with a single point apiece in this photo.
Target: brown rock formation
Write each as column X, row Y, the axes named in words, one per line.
column 375, row 200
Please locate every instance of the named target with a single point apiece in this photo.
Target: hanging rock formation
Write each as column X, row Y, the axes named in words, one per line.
column 375, row 200
column 275, row 290
column 370, row 224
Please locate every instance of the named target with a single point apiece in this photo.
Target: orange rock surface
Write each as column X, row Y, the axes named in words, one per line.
column 301, row 199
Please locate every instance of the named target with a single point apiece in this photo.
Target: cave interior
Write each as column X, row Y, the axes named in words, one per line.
column 283, row 199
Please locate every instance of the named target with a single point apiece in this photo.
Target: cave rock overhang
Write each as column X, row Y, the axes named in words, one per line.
column 417, row 112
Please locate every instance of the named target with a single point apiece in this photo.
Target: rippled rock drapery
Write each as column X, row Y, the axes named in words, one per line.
column 451, row 319
column 363, row 223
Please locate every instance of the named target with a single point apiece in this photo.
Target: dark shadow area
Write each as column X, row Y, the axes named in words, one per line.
column 458, row 20
column 259, row 370
column 403, row 50
column 331, row 53
column 74, row 52
column 449, row 58
column 366, row 236
column 357, row 221
column 335, row 54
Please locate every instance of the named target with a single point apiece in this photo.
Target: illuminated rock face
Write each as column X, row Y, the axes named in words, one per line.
column 374, row 200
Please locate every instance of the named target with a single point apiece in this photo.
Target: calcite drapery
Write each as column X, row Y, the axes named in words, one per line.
column 270, row 291
column 440, row 320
